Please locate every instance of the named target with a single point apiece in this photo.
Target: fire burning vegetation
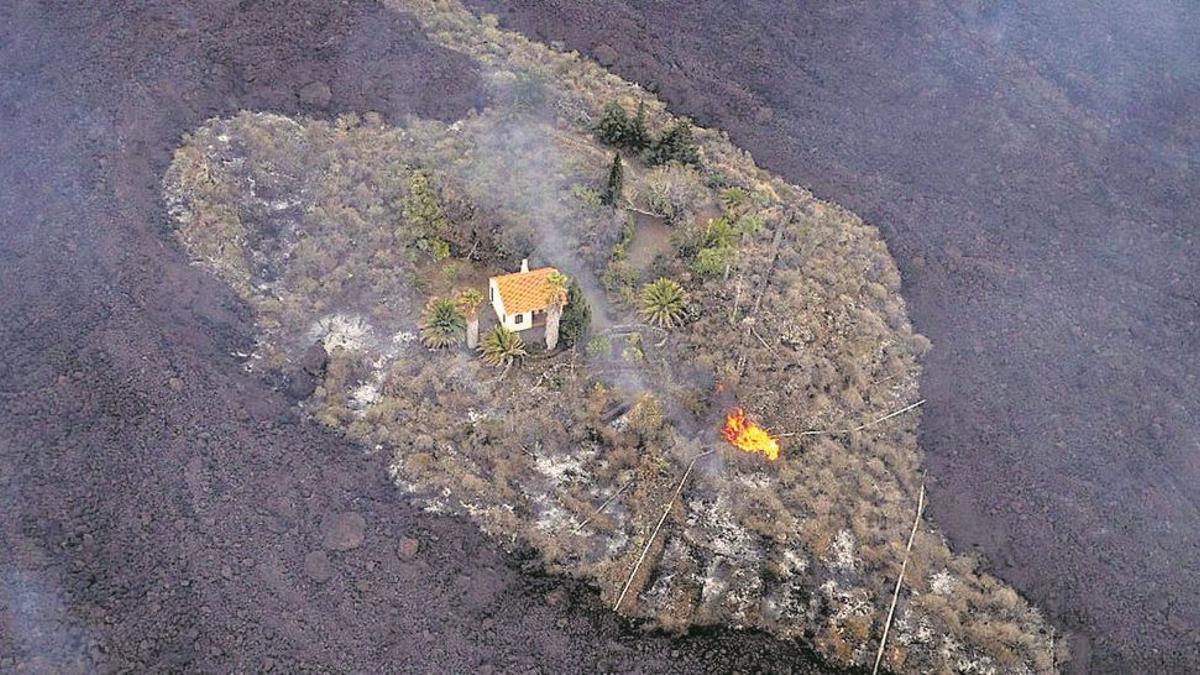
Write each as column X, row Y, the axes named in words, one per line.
column 744, row 434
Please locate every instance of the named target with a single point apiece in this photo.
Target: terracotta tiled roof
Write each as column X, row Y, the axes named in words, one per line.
column 524, row 291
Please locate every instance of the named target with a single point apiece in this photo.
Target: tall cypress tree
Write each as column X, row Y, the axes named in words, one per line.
column 639, row 138
column 616, row 181
column 576, row 317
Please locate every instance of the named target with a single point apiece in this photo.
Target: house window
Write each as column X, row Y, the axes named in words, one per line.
column 518, row 319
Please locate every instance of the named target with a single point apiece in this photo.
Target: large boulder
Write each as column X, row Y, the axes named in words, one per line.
column 315, row 94
column 302, row 381
column 343, row 531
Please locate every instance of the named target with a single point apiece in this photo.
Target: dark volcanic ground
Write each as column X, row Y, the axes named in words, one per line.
column 159, row 508
column 1034, row 167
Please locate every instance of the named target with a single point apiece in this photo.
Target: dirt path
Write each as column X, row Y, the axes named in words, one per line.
column 162, row 510
column 1033, row 167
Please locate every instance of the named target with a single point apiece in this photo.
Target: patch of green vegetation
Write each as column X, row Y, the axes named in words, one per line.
column 663, row 302
column 442, row 323
column 502, row 347
column 633, row 351
column 423, row 217
column 675, row 145
column 621, row 130
column 620, row 250
column 599, row 345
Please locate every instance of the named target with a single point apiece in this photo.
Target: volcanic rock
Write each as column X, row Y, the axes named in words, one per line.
column 343, row 531
column 408, row 548
column 316, row 94
column 299, row 385
column 301, row 382
column 316, row 566
column 605, row 54
column 314, row 360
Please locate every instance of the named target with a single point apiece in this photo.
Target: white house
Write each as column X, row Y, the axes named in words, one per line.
column 520, row 299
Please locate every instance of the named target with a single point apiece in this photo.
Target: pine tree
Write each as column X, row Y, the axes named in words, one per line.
column 676, row 145
column 618, row 129
column 616, row 182
column 614, row 125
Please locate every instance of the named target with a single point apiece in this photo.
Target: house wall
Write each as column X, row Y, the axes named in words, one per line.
column 509, row 321
column 494, row 298
column 526, row 323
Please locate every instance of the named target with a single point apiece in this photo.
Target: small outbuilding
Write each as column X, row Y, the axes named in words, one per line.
column 521, row 299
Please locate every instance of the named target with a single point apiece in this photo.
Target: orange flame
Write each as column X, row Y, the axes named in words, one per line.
column 748, row 436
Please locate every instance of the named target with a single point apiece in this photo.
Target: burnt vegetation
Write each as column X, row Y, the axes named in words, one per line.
column 361, row 235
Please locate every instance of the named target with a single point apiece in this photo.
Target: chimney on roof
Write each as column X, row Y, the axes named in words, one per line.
column 524, row 264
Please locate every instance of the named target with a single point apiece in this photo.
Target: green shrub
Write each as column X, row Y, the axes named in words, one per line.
column 662, row 302
column 599, row 345
column 591, row 200
column 750, row 224
column 712, row 262
column 633, row 351
column 528, row 92
column 620, row 250
column 436, row 248
column 734, row 199
column 442, row 323
column 720, row 233
column 618, row 274
column 672, row 191
column 502, row 347
column 715, row 179
column 422, row 212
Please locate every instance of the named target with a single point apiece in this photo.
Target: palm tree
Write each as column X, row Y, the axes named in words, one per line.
column 662, row 302
column 502, row 347
column 556, row 298
column 468, row 302
column 441, row 323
